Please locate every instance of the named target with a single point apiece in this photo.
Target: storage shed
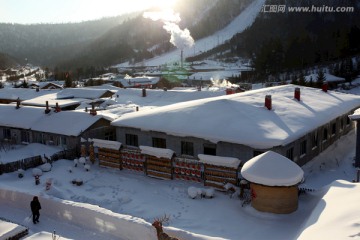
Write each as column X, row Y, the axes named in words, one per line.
column 274, row 182
column 219, row 170
column 158, row 162
column 108, row 153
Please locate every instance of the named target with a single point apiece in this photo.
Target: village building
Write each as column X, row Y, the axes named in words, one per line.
column 26, row 124
column 356, row 118
column 274, row 182
column 296, row 122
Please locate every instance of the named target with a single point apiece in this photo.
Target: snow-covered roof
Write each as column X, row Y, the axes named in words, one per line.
column 106, row 144
column 157, row 152
column 355, row 115
column 70, row 123
column 242, row 118
column 138, row 81
column 220, row 161
column 88, row 93
column 272, row 169
column 23, row 93
column 336, row 215
column 51, row 98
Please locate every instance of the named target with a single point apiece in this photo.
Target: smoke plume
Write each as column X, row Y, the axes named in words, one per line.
column 179, row 38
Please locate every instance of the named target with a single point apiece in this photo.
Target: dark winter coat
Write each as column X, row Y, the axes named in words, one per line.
column 35, row 205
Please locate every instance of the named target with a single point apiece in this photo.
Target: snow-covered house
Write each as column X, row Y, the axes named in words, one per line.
column 298, row 125
column 46, row 85
column 27, row 124
column 138, row 82
column 87, row 93
column 356, row 117
column 273, row 182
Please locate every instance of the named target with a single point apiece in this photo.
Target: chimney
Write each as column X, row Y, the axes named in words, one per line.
column 17, row 103
column 137, row 108
column 268, row 102
column 86, row 110
column 57, row 108
column 324, row 87
column 144, row 92
column 47, row 110
column 181, row 60
column 93, row 111
column 37, row 89
column 297, row 93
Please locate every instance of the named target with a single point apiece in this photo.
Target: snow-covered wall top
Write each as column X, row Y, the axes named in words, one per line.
column 356, row 115
column 83, row 215
column 220, row 161
column 106, row 144
column 242, row 118
column 272, row 169
column 157, row 152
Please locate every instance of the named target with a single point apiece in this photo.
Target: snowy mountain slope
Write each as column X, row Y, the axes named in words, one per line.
column 239, row 24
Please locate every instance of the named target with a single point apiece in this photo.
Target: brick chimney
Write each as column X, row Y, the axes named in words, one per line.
column 57, row 108
column 47, row 110
column 268, row 102
column 297, row 93
column 92, row 110
column 324, row 87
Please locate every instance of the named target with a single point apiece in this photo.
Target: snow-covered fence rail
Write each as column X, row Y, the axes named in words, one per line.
column 35, row 161
column 25, row 163
column 65, row 154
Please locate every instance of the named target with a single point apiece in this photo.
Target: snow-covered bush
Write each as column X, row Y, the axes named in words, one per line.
column 20, row 173
column 70, row 169
column 87, row 167
column 46, row 167
column 209, row 192
column 76, row 161
column 37, row 172
column 82, row 160
column 193, row 192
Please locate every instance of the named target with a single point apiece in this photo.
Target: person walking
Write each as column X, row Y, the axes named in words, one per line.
column 35, row 209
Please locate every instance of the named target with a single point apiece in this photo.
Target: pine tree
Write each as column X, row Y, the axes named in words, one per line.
column 302, row 81
column 68, row 81
column 320, row 79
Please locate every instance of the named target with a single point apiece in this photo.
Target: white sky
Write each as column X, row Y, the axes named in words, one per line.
column 55, row 11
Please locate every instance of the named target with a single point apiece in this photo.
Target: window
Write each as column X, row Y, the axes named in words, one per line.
column 315, row 141
column 131, row 140
column 210, row 149
column 290, row 153
column 341, row 124
column 303, row 148
column 159, row 142
column 110, row 135
column 347, row 121
column 333, row 129
column 325, row 134
column 25, row 136
column 7, row 133
column 187, row 148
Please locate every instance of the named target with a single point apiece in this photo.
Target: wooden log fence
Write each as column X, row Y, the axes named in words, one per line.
column 35, row 161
